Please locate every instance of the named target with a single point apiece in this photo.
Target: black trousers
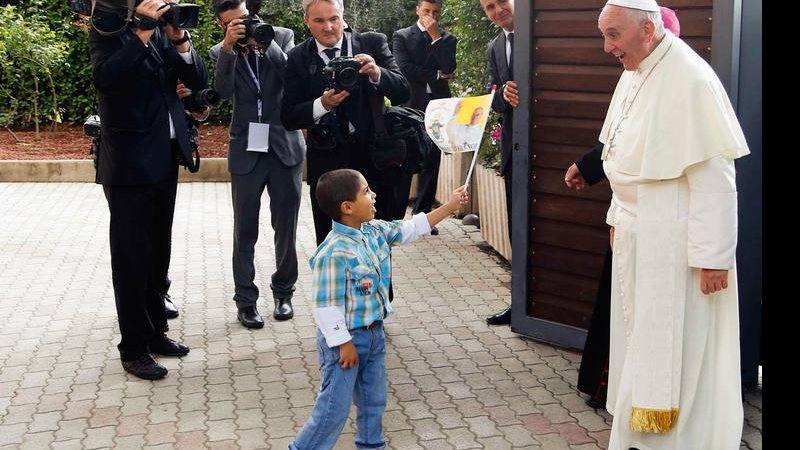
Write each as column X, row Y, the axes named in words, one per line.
column 428, row 178
column 507, row 178
column 140, row 239
column 427, row 181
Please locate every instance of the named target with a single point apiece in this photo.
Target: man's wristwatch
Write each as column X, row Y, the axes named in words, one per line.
column 180, row 41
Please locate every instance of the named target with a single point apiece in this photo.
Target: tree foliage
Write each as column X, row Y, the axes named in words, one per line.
column 31, row 55
column 474, row 31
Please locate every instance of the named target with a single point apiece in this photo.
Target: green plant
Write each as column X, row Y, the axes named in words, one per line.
column 468, row 22
column 385, row 16
column 30, row 56
column 489, row 152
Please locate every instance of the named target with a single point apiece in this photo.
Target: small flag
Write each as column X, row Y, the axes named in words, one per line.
column 456, row 125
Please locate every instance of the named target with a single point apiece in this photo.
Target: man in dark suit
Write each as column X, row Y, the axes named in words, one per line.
column 499, row 57
column 426, row 55
column 144, row 133
column 261, row 153
column 339, row 122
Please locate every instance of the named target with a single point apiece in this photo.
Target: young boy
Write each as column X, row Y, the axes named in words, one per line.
column 351, row 271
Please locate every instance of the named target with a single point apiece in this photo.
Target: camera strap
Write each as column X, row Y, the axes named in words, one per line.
column 377, row 107
column 104, row 7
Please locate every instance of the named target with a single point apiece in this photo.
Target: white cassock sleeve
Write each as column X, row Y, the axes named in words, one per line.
column 330, row 321
column 713, row 222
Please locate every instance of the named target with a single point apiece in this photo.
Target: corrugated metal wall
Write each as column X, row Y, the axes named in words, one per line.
column 573, row 80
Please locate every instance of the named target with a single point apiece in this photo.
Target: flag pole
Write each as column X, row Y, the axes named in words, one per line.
column 475, row 156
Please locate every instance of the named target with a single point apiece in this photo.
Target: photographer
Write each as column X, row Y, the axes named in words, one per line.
column 144, row 135
column 250, row 64
column 339, row 121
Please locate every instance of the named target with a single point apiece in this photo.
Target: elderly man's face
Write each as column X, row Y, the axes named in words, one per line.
column 501, row 12
column 625, row 37
column 324, row 20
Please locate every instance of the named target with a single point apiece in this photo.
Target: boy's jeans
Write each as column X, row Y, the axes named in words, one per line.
column 363, row 384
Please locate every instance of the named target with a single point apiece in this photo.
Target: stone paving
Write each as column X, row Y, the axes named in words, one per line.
column 454, row 383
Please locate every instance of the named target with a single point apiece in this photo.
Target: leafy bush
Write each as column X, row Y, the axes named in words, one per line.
column 489, row 152
column 31, row 54
column 474, row 31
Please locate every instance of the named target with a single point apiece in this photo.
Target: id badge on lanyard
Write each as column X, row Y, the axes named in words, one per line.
column 257, row 133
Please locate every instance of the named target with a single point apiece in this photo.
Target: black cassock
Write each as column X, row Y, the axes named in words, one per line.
column 593, row 373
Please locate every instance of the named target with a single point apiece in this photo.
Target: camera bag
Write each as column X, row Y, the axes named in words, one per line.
column 399, row 138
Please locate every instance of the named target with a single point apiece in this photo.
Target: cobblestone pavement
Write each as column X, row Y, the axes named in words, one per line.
column 453, row 381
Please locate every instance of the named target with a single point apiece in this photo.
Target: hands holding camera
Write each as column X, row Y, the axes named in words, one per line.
column 147, row 18
column 369, row 67
column 331, row 99
column 235, row 31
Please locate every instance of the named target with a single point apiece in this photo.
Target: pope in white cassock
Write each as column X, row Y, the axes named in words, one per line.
column 670, row 137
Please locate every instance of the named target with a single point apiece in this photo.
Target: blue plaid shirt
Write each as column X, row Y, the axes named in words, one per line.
column 352, row 268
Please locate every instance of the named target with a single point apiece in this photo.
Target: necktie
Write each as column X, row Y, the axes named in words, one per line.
column 330, row 52
column 511, row 56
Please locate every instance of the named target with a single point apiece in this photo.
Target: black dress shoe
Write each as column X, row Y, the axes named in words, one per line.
column 169, row 307
column 283, row 309
column 434, row 231
column 595, row 403
column 249, row 317
column 145, row 367
column 167, row 347
column 501, row 318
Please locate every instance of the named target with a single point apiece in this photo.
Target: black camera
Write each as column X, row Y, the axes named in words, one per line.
column 91, row 128
column 181, row 15
column 112, row 17
column 198, row 101
column 343, row 73
column 256, row 29
column 323, row 134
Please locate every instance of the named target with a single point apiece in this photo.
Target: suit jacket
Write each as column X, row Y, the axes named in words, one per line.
column 136, row 96
column 305, row 83
column 233, row 79
column 591, row 166
column 499, row 74
column 420, row 60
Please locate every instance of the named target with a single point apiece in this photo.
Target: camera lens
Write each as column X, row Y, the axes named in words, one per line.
column 347, row 77
column 209, row 97
column 263, row 34
column 185, row 15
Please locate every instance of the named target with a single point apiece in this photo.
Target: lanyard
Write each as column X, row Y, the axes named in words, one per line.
column 254, row 75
